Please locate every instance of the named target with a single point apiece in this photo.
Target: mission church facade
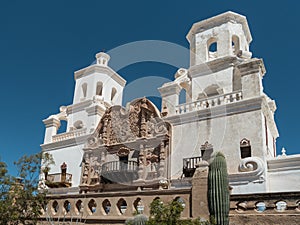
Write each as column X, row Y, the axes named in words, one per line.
column 114, row 160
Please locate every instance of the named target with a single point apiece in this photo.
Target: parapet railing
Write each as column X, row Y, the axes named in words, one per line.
column 209, row 102
column 69, row 135
column 58, row 177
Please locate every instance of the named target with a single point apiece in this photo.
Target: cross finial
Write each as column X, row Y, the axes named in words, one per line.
column 283, row 151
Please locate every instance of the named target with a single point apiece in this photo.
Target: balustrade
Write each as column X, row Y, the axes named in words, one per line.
column 69, row 135
column 209, row 102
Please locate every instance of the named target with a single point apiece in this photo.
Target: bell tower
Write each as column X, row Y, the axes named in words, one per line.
column 226, row 108
column 216, row 44
column 227, row 34
column 97, row 87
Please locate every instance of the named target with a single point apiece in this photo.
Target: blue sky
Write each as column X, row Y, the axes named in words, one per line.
column 43, row 42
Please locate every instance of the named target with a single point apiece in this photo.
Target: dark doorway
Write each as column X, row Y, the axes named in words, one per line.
column 123, row 162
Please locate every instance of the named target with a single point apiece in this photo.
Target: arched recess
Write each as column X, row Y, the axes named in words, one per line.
column 212, row 90
column 92, row 206
column 235, row 44
column 182, row 96
column 122, row 206
column 55, row 207
column 99, row 88
column 67, row 207
column 113, row 93
column 79, row 207
column 84, row 90
column 106, row 205
column 63, row 126
column 245, row 148
column 138, row 206
column 212, row 48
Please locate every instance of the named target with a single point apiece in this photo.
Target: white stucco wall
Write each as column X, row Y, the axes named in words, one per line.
column 224, row 133
column 91, row 81
column 284, row 173
column 72, row 156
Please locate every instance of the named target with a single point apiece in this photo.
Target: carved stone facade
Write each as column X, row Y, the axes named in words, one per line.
column 129, row 146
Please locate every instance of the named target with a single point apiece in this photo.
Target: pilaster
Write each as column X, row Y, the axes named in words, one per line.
column 251, row 73
column 170, row 98
column 199, row 192
column 52, row 124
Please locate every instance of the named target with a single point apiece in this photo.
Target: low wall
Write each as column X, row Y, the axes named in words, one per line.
column 268, row 208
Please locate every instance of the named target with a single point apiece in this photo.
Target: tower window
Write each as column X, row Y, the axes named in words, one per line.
column 235, row 44
column 182, row 96
column 245, row 148
column 212, row 90
column 212, row 48
column 99, row 88
column 84, row 89
column 113, row 93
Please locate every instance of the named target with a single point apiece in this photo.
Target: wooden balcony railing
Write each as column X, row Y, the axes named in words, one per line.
column 189, row 166
column 59, row 180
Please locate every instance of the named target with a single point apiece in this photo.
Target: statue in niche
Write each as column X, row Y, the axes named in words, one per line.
column 86, row 168
column 151, row 167
column 85, row 175
column 91, row 166
column 151, row 160
column 151, row 125
column 134, row 119
column 95, row 166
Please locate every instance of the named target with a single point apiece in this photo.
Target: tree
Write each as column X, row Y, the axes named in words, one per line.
column 138, row 219
column 218, row 190
column 21, row 199
column 169, row 214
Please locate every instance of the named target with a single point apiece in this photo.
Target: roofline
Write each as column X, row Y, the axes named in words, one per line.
column 219, row 20
column 100, row 69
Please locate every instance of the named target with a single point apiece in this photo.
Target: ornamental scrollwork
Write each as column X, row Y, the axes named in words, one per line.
column 140, row 120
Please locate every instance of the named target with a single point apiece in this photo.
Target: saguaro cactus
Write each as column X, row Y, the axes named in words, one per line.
column 218, row 190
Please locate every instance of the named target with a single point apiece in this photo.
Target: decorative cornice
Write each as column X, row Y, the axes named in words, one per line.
column 78, row 106
column 218, row 111
column 284, row 163
column 100, row 69
column 51, row 122
column 65, row 143
column 219, row 20
column 95, row 110
column 169, row 89
column 251, row 66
